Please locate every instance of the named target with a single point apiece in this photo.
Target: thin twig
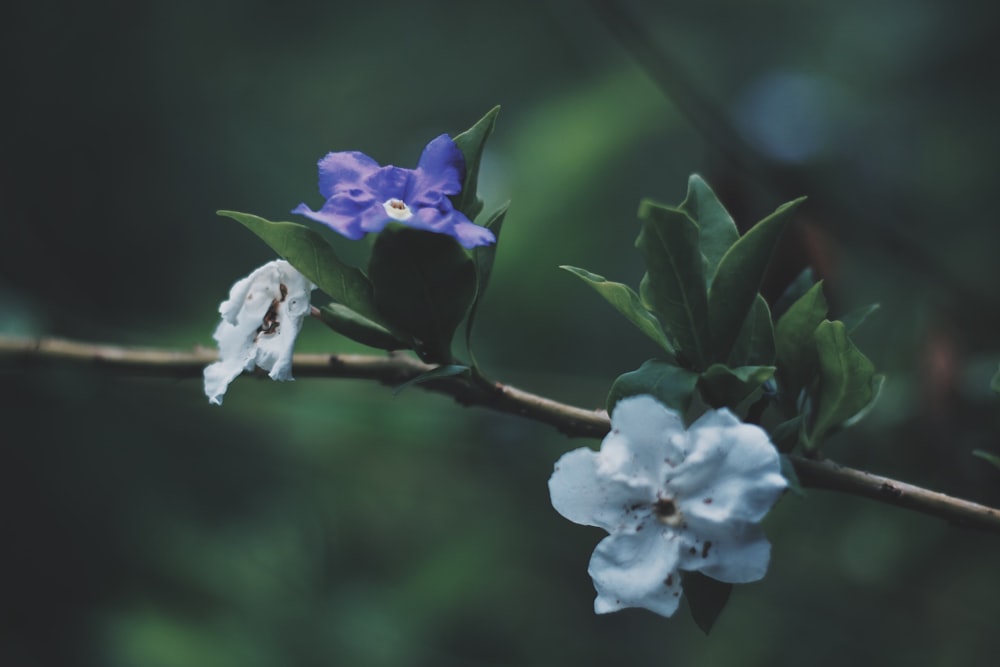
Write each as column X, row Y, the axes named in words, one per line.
column 397, row 368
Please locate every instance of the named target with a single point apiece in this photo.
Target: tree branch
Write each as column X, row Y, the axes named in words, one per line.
column 397, row 368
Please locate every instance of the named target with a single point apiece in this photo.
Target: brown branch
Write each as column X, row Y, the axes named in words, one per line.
column 396, row 368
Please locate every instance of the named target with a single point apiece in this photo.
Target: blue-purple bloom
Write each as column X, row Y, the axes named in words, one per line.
column 363, row 197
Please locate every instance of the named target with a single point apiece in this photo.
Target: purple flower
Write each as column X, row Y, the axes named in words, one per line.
column 362, row 197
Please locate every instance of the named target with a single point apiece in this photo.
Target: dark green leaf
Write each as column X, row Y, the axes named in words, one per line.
column 802, row 283
column 670, row 384
column 995, row 382
column 471, row 143
column 449, row 370
column 674, row 286
column 722, row 386
column 483, row 256
column 847, row 381
column 858, row 317
column 706, row 598
column 754, row 345
column 739, row 276
column 717, row 230
column 795, row 345
column 986, row 456
column 346, row 322
column 627, row 302
column 786, row 434
column 792, row 477
column 308, row 252
column 423, row 284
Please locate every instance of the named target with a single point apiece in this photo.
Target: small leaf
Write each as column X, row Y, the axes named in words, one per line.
column 986, row 456
column 995, row 382
column 792, row 477
column 483, row 257
column 670, row 384
column 754, row 345
column 786, row 434
column 855, row 319
column 449, row 370
column 674, row 286
column 627, row 302
column 308, row 252
column 346, row 322
column 706, row 598
column 739, row 276
column 722, row 386
column 795, row 345
column 423, row 285
column 471, row 143
column 799, row 286
column 717, row 230
column 846, row 381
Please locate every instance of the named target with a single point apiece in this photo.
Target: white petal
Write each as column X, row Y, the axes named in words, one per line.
column 645, row 437
column 731, row 473
column 737, row 559
column 637, row 570
column 581, row 494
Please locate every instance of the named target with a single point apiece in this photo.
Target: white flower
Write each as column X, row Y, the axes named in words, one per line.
column 671, row 499
column 260, row 321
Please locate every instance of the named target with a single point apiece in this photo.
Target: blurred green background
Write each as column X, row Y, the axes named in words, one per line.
column 328, row 523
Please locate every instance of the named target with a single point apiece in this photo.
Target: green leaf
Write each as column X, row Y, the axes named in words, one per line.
column 670, row 384
column 722, row 386
column 308, row 252
column 754, row 345
column 987, row 456
column 799, row 286
column 346, row 322
column 786, row 434
column 471, row 143
column 449, row 370
column 847, row 382
column 739, row 276
column 423, row 285
column 627, row 302
column 792, row 477
column 674, row 286
column 483, row 257
column 717, row 230
column 855, row 319
column 706, row 598
column 795, row 345
column 995, row 382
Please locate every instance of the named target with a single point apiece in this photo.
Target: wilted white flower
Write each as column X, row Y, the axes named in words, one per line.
column 260, row 321
column 671, row 499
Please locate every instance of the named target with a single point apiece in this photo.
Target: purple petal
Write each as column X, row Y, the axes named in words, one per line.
column 338, row 171
column 441, row 167
column 452, row 223
column 345, row 225
column 389, row 183
column 471, row 235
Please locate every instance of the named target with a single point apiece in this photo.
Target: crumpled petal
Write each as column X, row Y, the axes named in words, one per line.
column 586, row 497
column 731, row 473
column 646, row 437
column 260, row 321
column 344, row 170
column 441, row 166
column 636, row 570
column 740, row 557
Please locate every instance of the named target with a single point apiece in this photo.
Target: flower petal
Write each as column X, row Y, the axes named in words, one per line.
column 583, row 495
column 636, row 570
column 342, row 170
column 346, row 225
column 441, row 167
column 645, row 437
column 731, row 474
column 740, row 557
